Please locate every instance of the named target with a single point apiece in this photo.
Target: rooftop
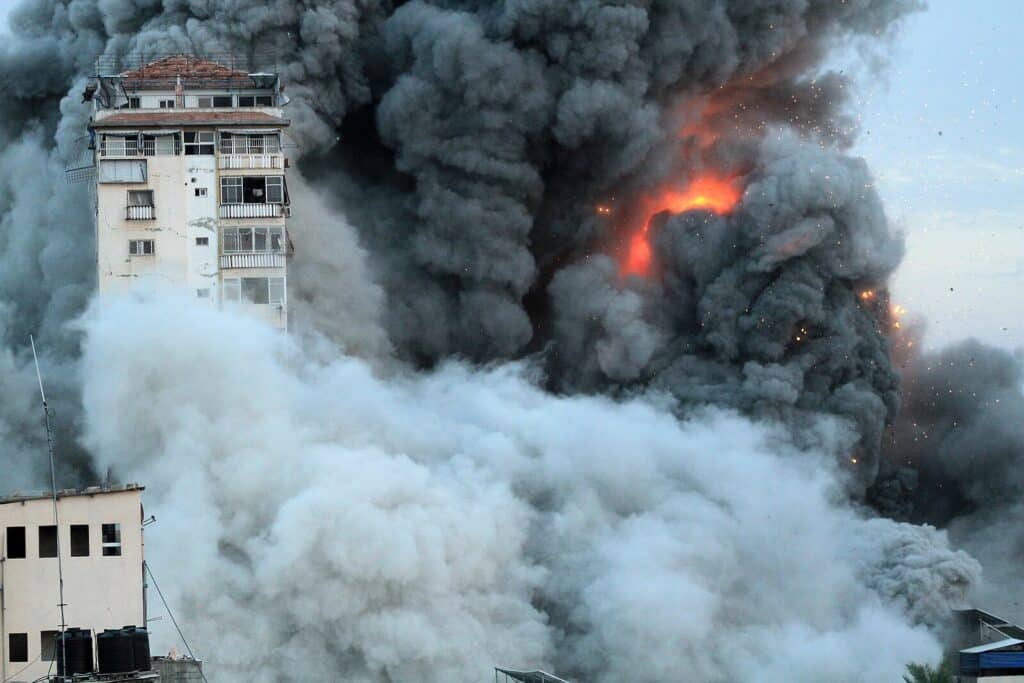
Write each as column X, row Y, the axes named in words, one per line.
column 179, row 117
column 19, row 497
column 185, row 66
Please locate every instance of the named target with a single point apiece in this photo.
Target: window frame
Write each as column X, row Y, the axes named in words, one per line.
column 21, row 648
column 7, row 543
column 106, row 545
column 52, row 657
column 229, row 186
column 203, row 143
column 151, row 201
column 76, row 550
column 46, row 543
column 134, row 249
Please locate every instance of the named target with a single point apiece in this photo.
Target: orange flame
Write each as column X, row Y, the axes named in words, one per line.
column 713, row 193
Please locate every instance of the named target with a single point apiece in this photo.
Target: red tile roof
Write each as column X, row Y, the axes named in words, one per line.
column 180, row 117
column 184, row 66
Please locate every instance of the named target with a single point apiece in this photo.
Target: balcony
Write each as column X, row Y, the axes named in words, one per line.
column 247, row 161
column 252, row 260
column 253, row 210
column 141, row 213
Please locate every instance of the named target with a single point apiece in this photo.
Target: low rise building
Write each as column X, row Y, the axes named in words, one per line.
column 99, row 539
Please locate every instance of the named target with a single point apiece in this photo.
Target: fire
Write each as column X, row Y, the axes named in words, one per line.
column 713, row 193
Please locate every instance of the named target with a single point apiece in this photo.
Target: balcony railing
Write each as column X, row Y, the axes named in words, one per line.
column 231, row 161
column 141, row 213
column 253, row 210
column 252, row 260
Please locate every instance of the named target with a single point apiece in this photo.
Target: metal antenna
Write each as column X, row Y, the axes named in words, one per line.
column 56, row 516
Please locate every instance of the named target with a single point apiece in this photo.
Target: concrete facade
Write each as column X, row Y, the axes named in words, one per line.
column 103, row 575
column 185, row 150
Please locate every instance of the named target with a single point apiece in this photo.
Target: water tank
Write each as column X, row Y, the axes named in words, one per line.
column 140, row 644
column 76, row 645
column 116, row 651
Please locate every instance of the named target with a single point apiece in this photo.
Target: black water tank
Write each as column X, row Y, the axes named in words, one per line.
column 140, row 644
column 116, row 651
column 76, row 645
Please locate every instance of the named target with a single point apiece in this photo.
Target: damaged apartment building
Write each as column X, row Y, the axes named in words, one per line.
column 190, row 182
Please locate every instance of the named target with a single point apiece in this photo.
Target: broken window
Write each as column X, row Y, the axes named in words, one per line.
column 140, row 198
column 79, row 540
column 17, row 647
column 111, row 540
column 48, row 645
column 141, row 248
column 48, row 541
column 15, row 542
column 199, row 142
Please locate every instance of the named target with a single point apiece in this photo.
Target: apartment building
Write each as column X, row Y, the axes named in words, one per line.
column 190, row 182
column 100, row 541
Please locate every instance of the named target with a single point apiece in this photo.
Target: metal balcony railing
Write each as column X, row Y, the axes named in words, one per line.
column 233, row 161
column 252, row 260
column 141, row 213
column 253, row 210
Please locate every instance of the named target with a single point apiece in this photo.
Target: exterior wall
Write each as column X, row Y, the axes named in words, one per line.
column 119, row 272
column 100, row 592
column 181, row 217
column 201, row 174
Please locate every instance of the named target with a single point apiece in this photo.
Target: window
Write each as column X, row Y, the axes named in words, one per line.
column 119, row 145
column 140, row 198
column 232, row 290
column 123, row 171
column 264, row 101
column 167, row 104
column 254, row 290
column 79, row 540
column 200, row 191
column 253, row 239
column 250, row 144
column 17, row 647
column 204, row 102
column 130, row 103
column 222, row 101
column 252, row 190
column 231, row 190
column 111, row 540
column 203, row 293
column 246, row 101
column 275, row 286
column 48, row 645
column 275, row 189
column 160, row 145
column 141, row 248
column 202, row 241
column 15, row 543
column 48, row 541
column 199, row 142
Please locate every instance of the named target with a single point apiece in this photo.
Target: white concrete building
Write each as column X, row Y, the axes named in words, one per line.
column 101, row 550
column 190, row 183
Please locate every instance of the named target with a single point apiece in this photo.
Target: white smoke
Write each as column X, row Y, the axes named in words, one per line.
column 318, row 520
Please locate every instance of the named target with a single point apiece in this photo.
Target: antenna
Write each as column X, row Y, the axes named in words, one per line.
column 56, row 516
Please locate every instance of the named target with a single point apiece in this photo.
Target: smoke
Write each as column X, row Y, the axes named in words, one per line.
column 482, row 443
column 955, row 455
column 324, row 519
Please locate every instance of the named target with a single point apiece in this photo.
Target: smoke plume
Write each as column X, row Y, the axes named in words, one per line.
column 486, row 442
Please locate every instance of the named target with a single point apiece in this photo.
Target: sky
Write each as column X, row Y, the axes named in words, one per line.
column 942, row 127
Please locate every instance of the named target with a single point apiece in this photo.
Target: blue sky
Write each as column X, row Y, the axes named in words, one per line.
column 942, row 126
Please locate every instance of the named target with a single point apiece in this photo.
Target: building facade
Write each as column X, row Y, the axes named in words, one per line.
column 190, row 183
column 100, row 541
